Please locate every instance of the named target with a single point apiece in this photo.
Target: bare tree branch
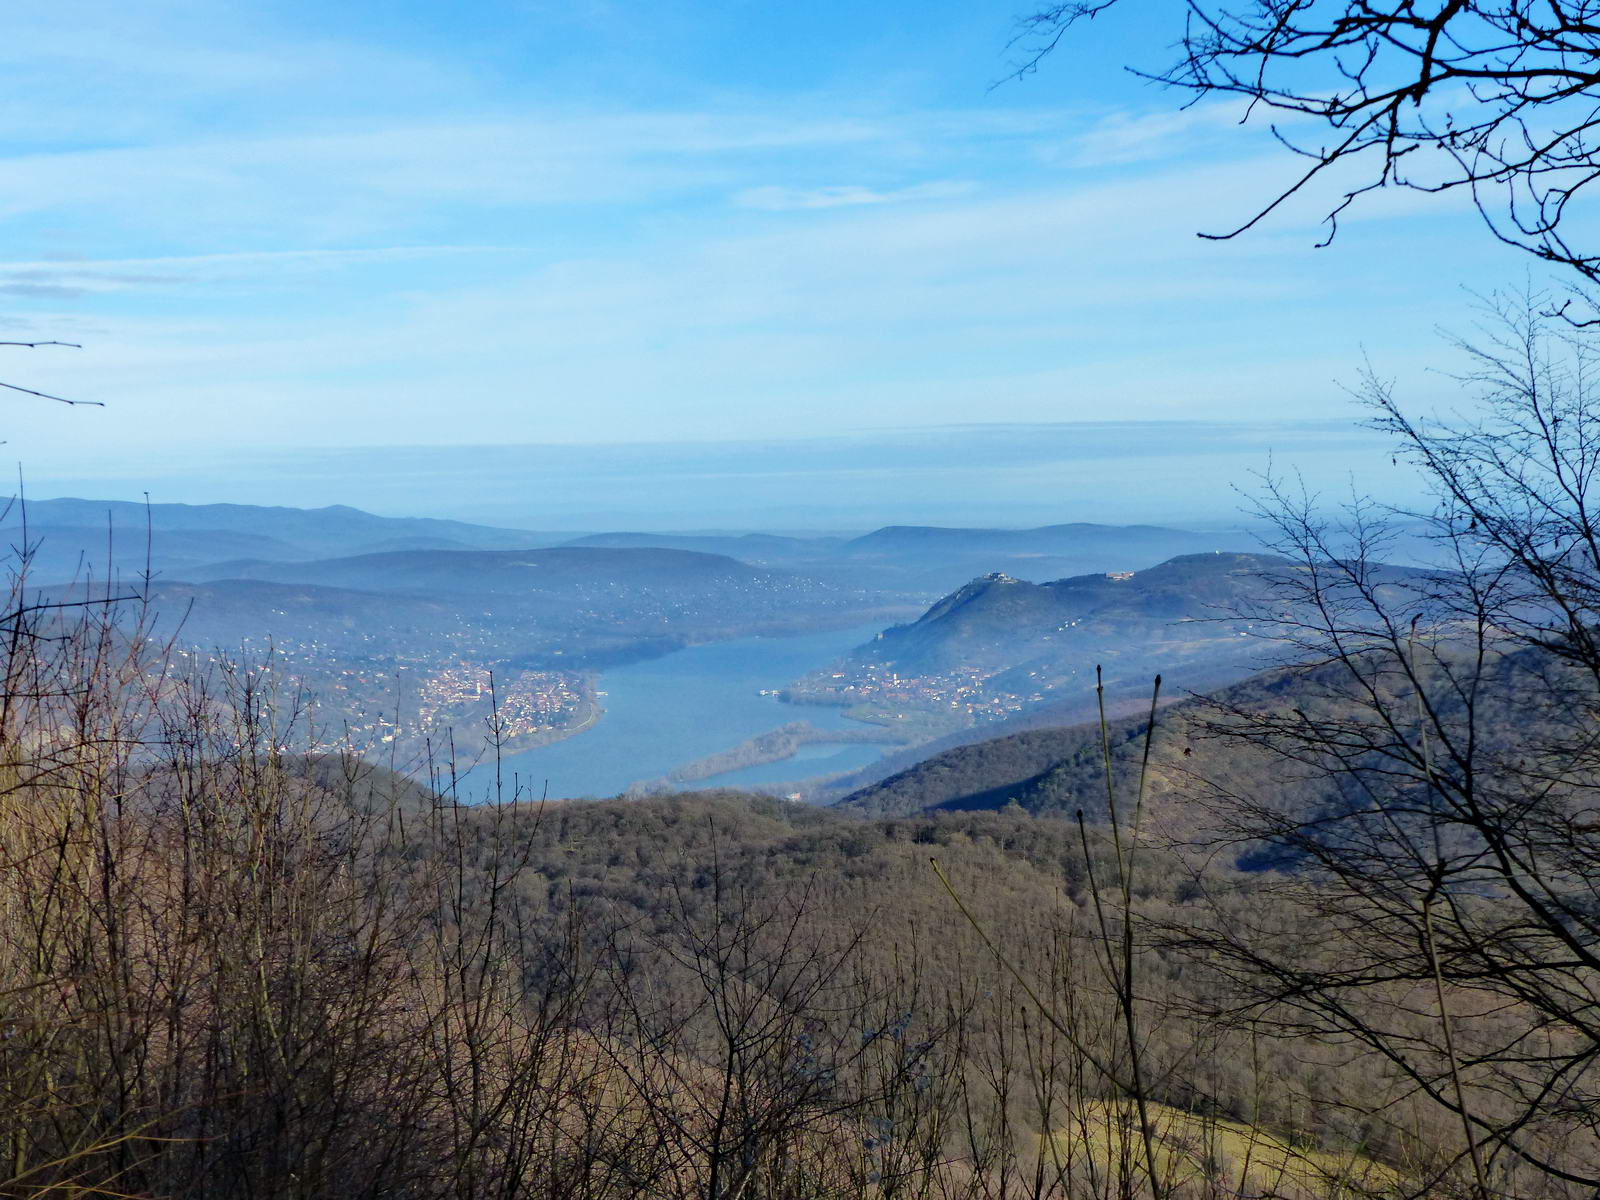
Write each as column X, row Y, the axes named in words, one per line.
column 1499, row 99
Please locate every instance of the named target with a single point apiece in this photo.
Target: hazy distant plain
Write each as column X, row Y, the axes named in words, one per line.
column 1186, row 473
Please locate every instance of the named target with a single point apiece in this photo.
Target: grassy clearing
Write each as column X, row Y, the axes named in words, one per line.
column 1204, row 1156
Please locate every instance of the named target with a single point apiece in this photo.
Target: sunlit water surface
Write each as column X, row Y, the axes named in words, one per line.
column 670, row 711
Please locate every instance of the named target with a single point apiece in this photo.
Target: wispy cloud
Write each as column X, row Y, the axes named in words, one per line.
column 265, row 235
column 1072, row 301
column 783, row 199
column 1123, row 137
column 333, row 186
column 77, row 276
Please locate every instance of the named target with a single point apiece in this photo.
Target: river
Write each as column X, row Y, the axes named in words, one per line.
column 672, row 710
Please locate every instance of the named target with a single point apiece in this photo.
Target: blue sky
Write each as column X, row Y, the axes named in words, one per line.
column 291, row 225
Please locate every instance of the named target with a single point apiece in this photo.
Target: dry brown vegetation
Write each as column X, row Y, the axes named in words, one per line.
column 229, row 970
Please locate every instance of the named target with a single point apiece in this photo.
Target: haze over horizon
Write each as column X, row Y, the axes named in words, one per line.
column 1184, row 473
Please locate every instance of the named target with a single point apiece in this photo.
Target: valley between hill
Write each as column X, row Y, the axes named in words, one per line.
column 465, row 951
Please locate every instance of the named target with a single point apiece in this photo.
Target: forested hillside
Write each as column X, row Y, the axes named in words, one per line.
column 361, row 989
column 266, row 973
column 999, row 647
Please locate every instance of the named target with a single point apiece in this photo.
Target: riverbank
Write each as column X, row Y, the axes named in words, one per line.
column 589, row 712
column 775, row 745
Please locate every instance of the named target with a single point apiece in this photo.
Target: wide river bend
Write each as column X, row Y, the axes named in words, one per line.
column 672, row 710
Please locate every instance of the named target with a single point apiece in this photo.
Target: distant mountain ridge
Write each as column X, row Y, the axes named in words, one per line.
column 76, row 538
column 1146, row 619
column 1031, row 638
column 999, row 622
column 939, row 558
column 333, row 523
column 1058, row 539
column 1003, row 653
column 578, row 607
column 930, row 560
column 759, row 548
column 69, row 536
column 570, row 569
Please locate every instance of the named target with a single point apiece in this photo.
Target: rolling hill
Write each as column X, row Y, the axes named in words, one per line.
column 571, row 572
column 73, row 539
column 1000, row 647
column 1199, row 775
column 760, row 549
column 999, row 623
column 232, row 612
column 568, row 606
column 938, row 559
column 330, row 529
column 901, row 541
column 928, row 560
